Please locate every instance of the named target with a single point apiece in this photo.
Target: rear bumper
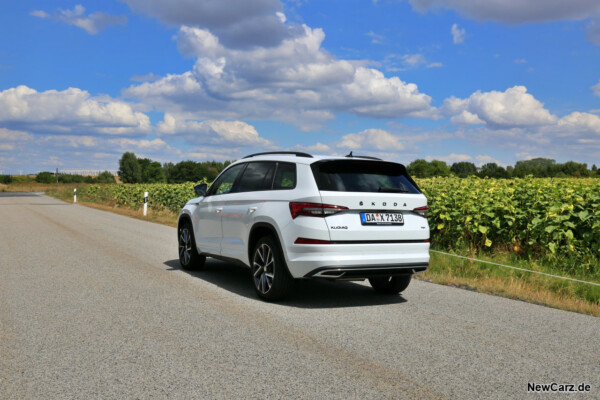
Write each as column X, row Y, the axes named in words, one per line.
column 356, row 261
column 372, row 271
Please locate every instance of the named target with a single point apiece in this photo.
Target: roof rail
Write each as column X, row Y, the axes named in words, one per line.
column 367, row 157
column 296, row 153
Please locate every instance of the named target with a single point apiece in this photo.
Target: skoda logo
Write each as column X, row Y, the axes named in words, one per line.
column 383, row 204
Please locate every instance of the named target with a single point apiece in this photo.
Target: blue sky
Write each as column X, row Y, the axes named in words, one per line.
column 81, row 82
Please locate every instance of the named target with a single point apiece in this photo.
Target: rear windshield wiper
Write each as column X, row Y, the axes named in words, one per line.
column 392, row 190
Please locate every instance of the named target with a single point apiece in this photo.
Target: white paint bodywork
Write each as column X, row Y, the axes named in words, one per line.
column 223, row 223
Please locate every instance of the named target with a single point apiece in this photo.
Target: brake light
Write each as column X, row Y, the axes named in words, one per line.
column 314, row 209
column 302, row 240
column 422, row 211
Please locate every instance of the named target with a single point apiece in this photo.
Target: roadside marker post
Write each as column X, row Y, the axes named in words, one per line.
column 145, row 203
column 74, row 195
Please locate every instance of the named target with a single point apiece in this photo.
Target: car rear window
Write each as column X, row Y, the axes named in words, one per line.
column 363, row 176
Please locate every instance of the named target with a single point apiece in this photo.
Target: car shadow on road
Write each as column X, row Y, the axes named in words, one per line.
column 306, row 293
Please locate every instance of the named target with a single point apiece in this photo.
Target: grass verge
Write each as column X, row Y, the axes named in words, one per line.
column 65, row 193
column 28, row 187
column 553, row 292
column 443, row 269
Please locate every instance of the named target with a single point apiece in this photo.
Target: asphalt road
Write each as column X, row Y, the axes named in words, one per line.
column 94, row 305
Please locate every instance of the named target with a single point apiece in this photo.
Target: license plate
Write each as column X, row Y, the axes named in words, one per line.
column 381, row 218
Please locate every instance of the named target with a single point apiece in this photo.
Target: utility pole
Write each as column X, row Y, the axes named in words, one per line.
column 57, row 176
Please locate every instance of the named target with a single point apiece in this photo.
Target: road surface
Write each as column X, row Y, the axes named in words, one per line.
column 94, row 305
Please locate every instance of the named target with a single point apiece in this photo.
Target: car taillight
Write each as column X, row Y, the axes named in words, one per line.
column 302, row 240
column 422, row 211
column 314, row 209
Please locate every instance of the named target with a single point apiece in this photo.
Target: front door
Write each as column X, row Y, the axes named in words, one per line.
column 208, row 214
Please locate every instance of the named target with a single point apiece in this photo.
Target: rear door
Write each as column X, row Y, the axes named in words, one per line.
column 380, row 198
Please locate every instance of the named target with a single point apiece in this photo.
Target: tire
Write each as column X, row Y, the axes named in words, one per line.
column 390, row 284
column 188, row 254
column 270, row 276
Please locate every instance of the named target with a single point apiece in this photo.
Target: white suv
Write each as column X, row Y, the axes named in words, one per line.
column 291, row 215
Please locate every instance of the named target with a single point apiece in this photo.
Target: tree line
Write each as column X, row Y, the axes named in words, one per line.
column 50, row 177
column 537, row 167
column 143, row 170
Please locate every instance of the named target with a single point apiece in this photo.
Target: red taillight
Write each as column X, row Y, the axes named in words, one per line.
column 314, row 209
column 422, row 211
column 302, row 240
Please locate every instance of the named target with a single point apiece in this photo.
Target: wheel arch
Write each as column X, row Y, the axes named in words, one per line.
column 259, row 230
column 184, row 217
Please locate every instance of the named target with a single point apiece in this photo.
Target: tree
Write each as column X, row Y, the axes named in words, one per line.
column 45, row 177
column 439, row 168
column 425, row 169
column 185, row 171
column 105, row 177
column 572, row 168
column 463, row 169
column 492, row 170
column 152, row 171
column 129, row 168
column 539, row 167
column 168, row 168
column 419, row 168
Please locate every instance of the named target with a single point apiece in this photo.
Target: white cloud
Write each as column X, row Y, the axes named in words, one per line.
column 395, row 62
column 520, row 61
column 515, row 11
column 10, row 139
column 582, row 123
column 237, row 23
column 435, row 65
column 485, row 159
column 150, row 77
column 235, row 133
column 71, row 141
column 370, row 139
column 317, row 148
column 593, row 30
column 499, row 110
column 91, row 23
column 139, row 145
column 458, row 34
column 466, row 118
column 450, row 158
column 7, row 135
column 413, row 60
column 522, row 11
column 375, row 38
column 296, row 81
column 596, row 89
column 69, row 111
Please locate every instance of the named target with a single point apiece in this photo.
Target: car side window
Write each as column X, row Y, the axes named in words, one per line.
column 285, row 176
column 256, row 176
column 225, row 182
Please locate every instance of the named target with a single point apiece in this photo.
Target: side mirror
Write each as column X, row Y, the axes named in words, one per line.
column 200, row 189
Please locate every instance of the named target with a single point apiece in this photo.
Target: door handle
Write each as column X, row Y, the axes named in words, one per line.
column 251, row 210
column 219, row 210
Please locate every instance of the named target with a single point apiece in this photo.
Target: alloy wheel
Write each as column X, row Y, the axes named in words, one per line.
column 185, row 246
column 263, row 268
